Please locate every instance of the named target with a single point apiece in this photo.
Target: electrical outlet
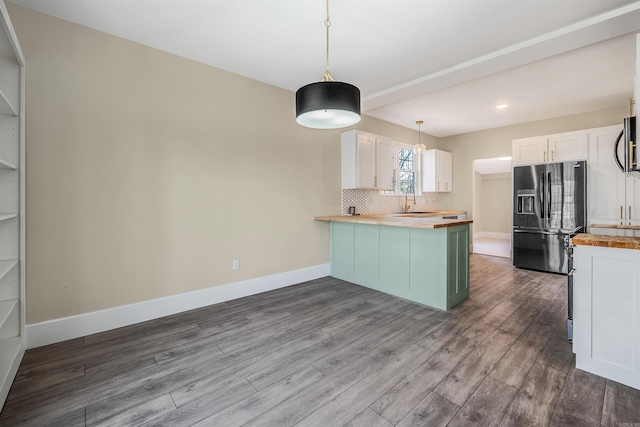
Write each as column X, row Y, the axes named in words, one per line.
column 235, row 265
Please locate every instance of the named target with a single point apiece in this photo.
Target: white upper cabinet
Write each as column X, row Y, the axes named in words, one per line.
column 613, row 197
column 606, row 183
column 367, row 161
column 568, row 146
column 561, row 147
column 529, row 151
column 436, row 171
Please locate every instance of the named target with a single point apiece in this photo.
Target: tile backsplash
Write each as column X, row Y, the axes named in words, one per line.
column 372, row 202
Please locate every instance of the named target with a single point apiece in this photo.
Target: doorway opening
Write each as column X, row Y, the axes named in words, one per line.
column 492, row 206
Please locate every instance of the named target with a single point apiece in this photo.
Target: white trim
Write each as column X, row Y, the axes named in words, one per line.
column 53, row 331
column 491, row 235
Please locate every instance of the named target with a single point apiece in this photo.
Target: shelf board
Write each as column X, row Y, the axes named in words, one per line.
column 4, row 216
column 7, row 165
column 6, row 109
column 6, row 307
column 6, row 266
column 9, row 348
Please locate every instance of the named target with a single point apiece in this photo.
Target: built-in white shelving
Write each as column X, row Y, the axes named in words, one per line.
column 7, row 165
column 10, row 350
column 6, row 308
column 6, row 109
column 6, row 266
column 12, row 205
column 5, row 216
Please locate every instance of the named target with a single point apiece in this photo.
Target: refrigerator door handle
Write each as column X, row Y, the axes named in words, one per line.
column 541, row 186
column 557, row 232
column 549, row 195
column 548, row 233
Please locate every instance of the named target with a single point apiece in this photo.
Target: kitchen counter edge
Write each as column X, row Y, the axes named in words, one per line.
column 620, row 242
column 400, row 220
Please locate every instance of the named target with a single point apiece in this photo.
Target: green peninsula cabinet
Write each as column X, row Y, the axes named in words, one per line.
column 421, row 264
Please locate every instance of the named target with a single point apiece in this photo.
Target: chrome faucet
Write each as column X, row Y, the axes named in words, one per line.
column 407, row 206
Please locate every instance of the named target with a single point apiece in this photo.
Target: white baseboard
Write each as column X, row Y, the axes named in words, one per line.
column 66, row 328
column 492, row 235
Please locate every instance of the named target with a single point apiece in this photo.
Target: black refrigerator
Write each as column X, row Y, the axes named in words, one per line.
column 549, row 206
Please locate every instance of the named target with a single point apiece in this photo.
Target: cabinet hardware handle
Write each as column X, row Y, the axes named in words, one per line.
column 629, row 212
column 620, row 212
column 438, row 186
column 375, row 181
column 552, row 155
column 544, row 155
column 446, row 187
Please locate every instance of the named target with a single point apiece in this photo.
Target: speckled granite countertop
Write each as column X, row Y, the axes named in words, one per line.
column 621, row 242
column 415, row 220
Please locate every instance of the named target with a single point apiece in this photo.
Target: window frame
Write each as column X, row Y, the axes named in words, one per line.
column 397, row 146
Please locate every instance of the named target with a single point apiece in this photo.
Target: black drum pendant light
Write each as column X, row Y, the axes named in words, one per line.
column 327, row 104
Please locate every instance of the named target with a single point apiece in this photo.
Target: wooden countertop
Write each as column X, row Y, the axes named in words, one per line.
column 618, row 226
column 402, row 220
column 621, row 242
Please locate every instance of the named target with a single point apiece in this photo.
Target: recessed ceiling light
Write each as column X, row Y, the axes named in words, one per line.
column 501, row 106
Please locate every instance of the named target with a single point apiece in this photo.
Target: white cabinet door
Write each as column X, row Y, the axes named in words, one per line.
column 448, row 172
column 529, row 151
column 568, row 146
column 606, row 309
column 366, row 161
column 384, row 163
column 606, row 183
column 428, row 171
column 632, row 200
column 436, row 171
column 439, row 170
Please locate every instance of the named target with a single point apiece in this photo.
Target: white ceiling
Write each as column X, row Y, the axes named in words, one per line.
column 447, row 62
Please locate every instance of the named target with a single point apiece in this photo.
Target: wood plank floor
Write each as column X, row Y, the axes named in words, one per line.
column 330, row 353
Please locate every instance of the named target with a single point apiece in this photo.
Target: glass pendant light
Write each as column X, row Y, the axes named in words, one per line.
column 419, row 148
column 328, row 104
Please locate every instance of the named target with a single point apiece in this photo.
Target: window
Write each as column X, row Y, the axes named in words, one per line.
column 404, row 168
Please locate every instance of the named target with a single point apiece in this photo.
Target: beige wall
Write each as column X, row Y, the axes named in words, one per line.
column 148, row 173
column 497, row 143
column 476, row 192
column 495, row 203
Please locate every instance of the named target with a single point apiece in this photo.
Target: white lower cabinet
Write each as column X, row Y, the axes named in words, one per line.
column 606, row 312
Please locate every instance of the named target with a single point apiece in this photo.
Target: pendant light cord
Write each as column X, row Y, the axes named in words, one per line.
column 327, row 75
